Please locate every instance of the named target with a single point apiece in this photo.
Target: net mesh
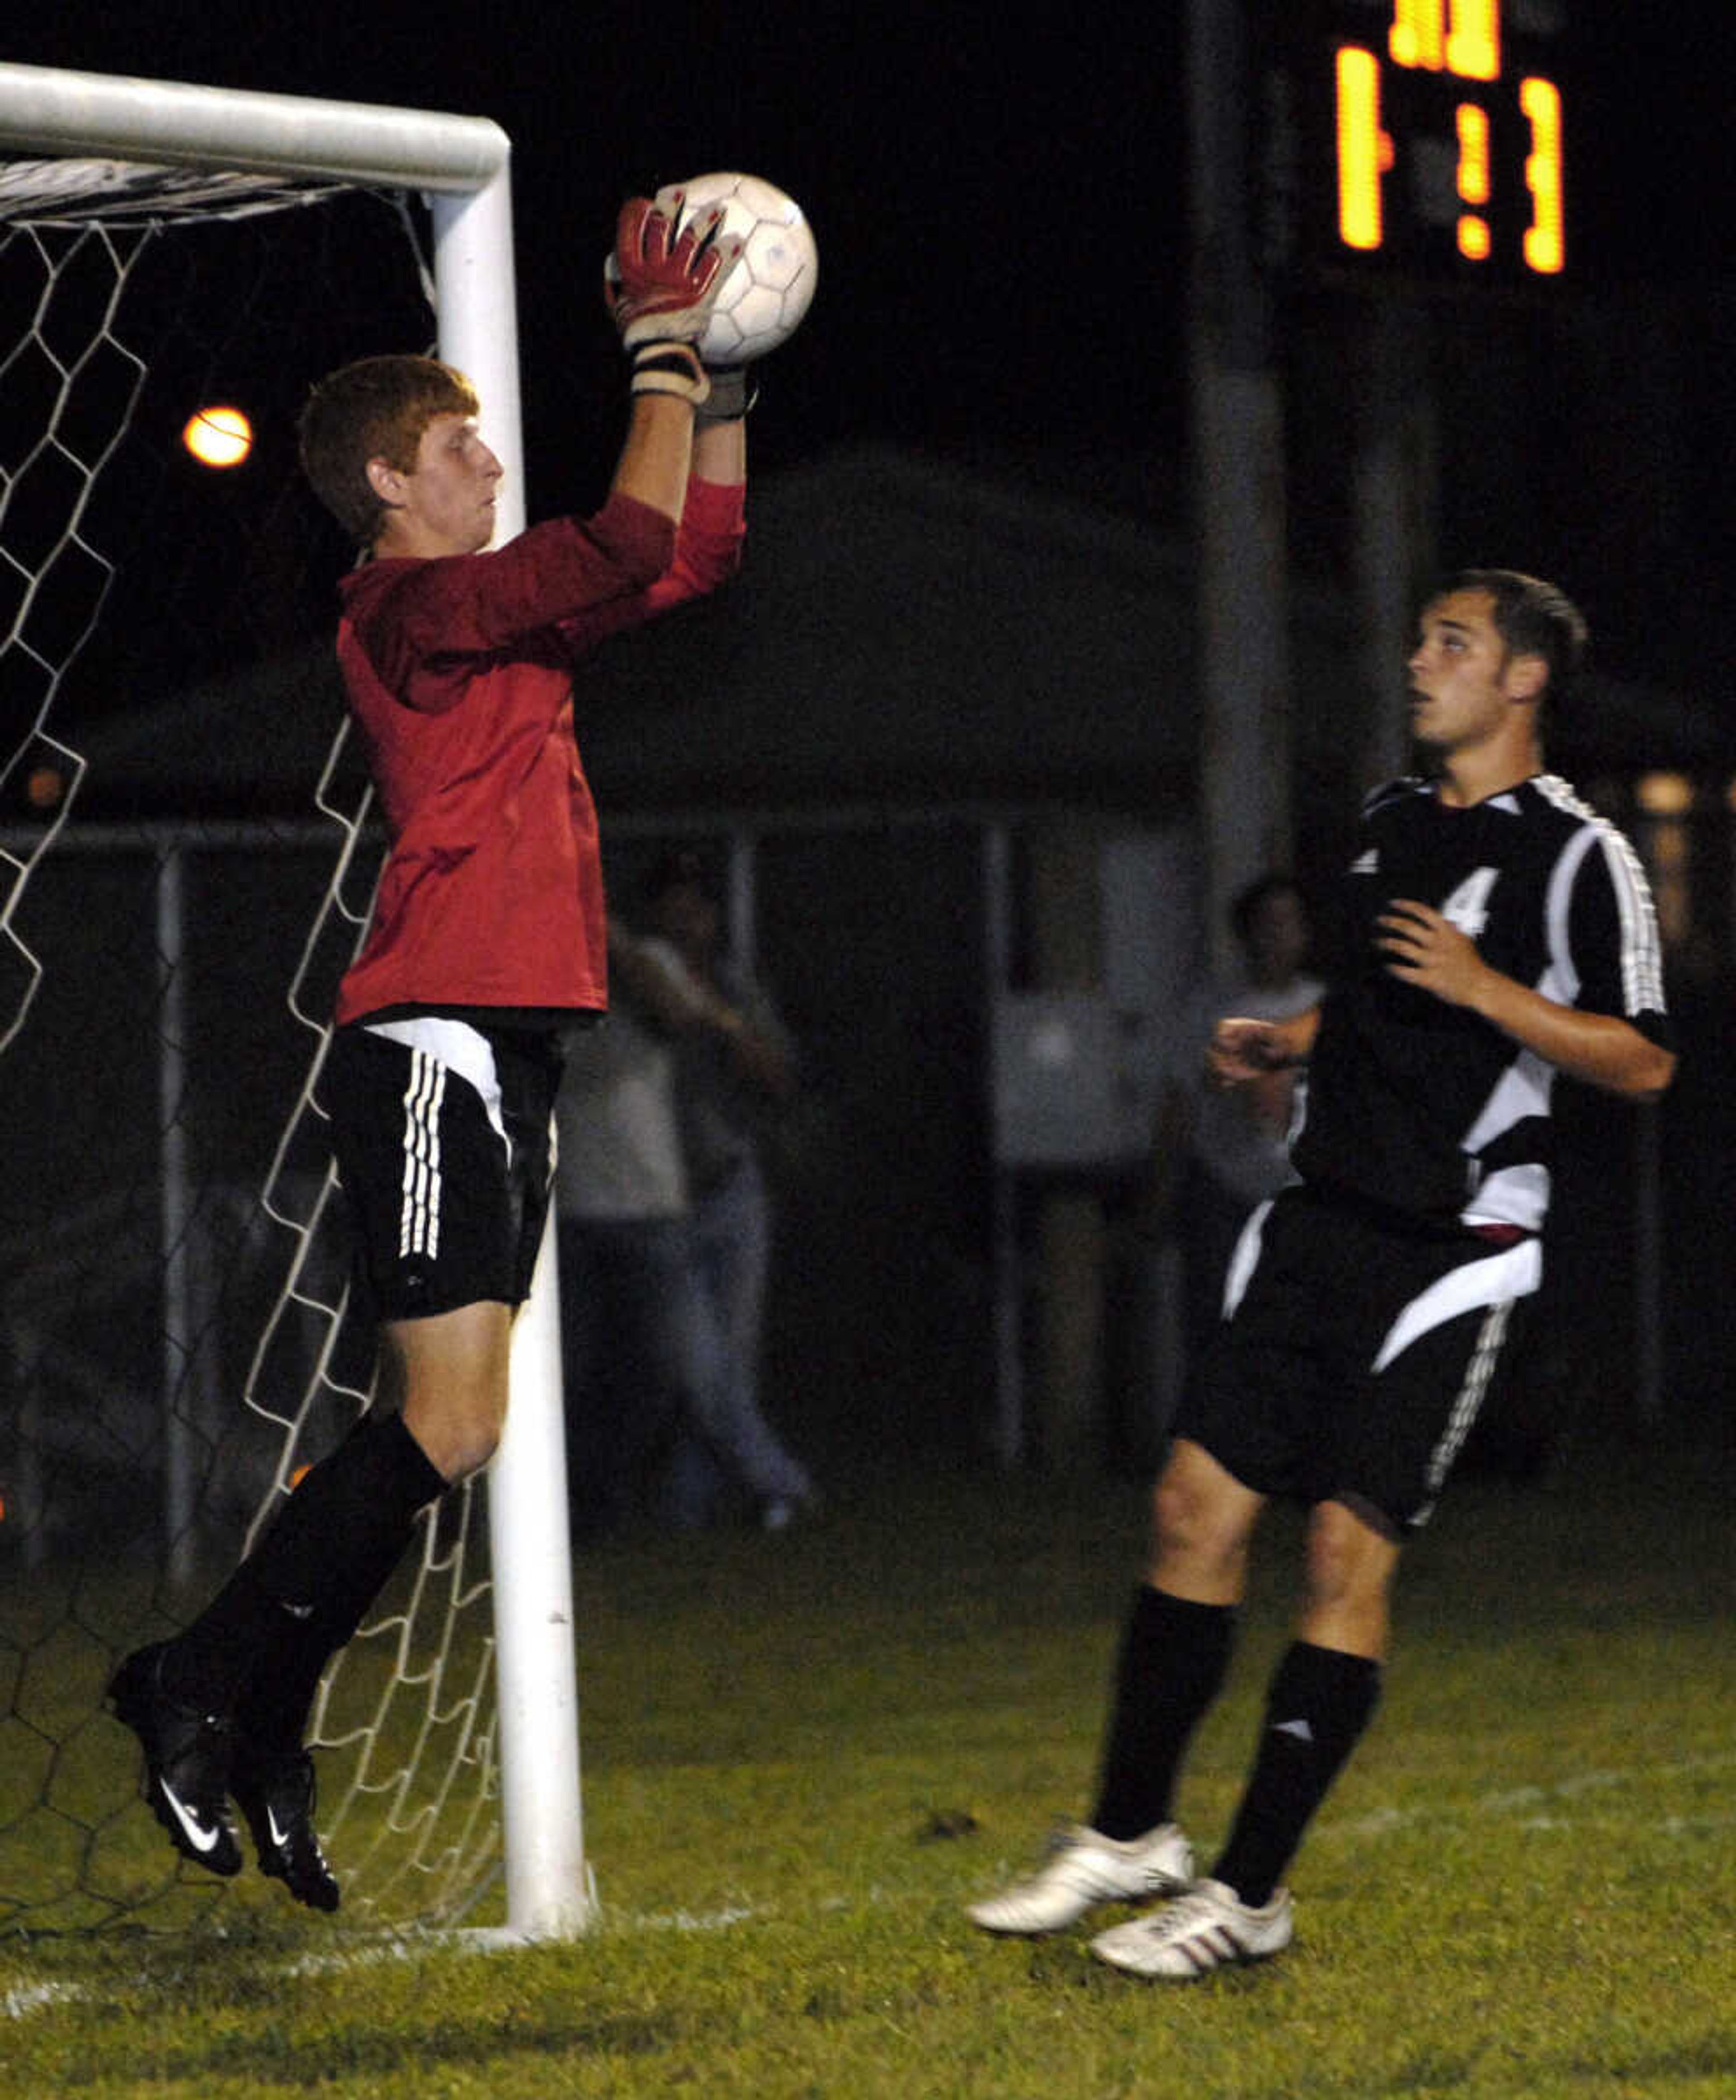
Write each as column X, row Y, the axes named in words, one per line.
column 177, row 1341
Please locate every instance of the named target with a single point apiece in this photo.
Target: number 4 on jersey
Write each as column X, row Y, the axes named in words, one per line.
column 1468, row 907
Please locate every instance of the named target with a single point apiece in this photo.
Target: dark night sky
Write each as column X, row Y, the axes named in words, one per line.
column 937, row 152
column 1001, row 209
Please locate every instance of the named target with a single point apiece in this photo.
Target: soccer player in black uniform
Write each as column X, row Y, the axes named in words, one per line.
column 1501, row 933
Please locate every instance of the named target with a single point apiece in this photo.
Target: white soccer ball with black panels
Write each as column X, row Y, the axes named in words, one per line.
column 771, row 284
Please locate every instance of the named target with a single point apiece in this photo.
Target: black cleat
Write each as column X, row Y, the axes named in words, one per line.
column 274, row 1789
column 186, row 1756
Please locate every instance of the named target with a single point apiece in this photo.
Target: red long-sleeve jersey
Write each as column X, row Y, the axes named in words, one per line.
column 458, row 672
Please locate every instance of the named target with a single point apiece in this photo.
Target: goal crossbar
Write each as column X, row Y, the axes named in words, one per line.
column 47, row 110
column 462, row 165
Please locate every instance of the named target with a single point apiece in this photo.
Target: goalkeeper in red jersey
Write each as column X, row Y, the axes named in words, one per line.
column 487, row 946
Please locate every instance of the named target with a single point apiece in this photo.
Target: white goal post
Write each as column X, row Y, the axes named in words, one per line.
column 460, row 165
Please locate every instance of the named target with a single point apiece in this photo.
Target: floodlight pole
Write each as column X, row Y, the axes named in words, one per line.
column 1237, row 434
column 461, row 163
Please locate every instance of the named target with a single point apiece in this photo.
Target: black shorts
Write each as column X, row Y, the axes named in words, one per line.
column 445, row 1149
column 1355, row 1355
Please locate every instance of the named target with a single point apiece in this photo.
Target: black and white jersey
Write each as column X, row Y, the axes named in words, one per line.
column 1424, row 1107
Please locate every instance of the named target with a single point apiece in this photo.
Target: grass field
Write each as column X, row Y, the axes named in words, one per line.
column 803, row 1753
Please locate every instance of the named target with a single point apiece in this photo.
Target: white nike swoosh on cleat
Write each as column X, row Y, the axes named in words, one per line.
column 280, row 1837
column 201, row 1839
column 1299, row 1729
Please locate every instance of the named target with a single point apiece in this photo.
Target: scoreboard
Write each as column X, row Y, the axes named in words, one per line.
column 1421, row 139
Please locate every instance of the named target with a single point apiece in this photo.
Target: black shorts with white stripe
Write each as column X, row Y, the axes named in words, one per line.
column 1357, row 1351
column 441, row 1131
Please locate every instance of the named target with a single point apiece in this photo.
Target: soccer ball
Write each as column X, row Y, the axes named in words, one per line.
column 771, row 286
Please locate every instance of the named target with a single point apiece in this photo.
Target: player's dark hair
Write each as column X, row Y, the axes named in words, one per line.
column 376, row 408
column 1533, row 618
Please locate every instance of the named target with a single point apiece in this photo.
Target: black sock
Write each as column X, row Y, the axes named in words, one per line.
column 273, row 1706
column 1320, row 1702
column 1173, row 1658
column 319, row 1565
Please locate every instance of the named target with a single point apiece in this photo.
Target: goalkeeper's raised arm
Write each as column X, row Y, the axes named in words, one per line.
column 660, row 283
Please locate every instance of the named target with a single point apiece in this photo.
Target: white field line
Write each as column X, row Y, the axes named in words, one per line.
column 361, row 1950
column 1529, row 1805
column 22, row 1998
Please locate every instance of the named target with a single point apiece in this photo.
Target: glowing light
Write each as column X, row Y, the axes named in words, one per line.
column 1472, row 127
column 1421, row 39
column 219, row 437
column 1665, row 794
column 1473, row 44
column 1473, row 153
column 1365, row 151
column 1416, row 37
column 1544, row 242
column 1387, row 122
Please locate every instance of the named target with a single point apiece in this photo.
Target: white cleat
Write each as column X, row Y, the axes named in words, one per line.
column 1205, row 1929
column 1085, row 1869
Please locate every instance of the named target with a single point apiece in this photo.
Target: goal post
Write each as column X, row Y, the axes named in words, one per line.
column 461, row 165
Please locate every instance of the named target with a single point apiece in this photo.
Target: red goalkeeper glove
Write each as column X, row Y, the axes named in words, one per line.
column 659, row 283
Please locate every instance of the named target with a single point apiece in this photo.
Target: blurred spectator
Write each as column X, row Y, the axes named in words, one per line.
column 732, row 1073
column 631, row 1354
column 646, row 1368
column 1216, row 1154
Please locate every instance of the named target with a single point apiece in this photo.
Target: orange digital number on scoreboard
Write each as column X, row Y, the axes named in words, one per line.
column 1541, row 103
column 1364, row 149
column 1461, row 39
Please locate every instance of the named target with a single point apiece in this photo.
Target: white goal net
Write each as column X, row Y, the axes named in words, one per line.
column 186, row 866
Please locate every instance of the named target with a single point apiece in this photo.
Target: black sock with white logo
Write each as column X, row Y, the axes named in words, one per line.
column 1320, row 1703
column 1173, row 1658
column 316, row 1570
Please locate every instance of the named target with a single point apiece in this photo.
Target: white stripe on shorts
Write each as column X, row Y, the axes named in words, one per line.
column 437, row 1045
column 419, row 1216
column 1244, row 1258
column 1469, row 1404
column 1514, row 1273
column 462, row 1049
